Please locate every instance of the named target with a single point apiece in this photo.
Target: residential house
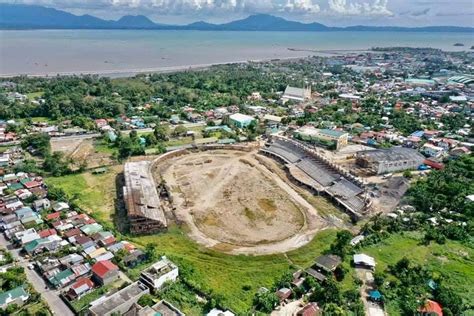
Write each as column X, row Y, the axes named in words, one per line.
column 283, row 294
column 62, row 278
column 119, row 302
column 328, row 263
column 105, row 272
column 218, row 312
column 310, row 309
column 432, row 151
column 365, row 261
column 80, row 288
column 159, row 273
column 431, row 308
column 134, row 258
column 16, row 296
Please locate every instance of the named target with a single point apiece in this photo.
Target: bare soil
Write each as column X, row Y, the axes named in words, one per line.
column 81, row 150
column 232, row 202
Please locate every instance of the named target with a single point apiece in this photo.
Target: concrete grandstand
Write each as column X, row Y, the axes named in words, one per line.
column 320, row 175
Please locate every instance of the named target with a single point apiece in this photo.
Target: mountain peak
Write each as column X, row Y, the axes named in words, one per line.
column 15, row 16
column 139, row 21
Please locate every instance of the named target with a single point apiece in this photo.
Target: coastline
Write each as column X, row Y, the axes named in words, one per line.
column 166, row 69
column 125, row 73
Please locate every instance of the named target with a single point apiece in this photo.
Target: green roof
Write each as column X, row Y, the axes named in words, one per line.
column 91, row 229
column 12, row 294
column 15, row 186
column 332, row 132
column 33, row 245
column 25, row 180
column 55, row 280
column 420, row 81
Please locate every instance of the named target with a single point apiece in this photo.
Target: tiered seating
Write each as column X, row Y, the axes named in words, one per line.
column 286, row 151
column 336, row 185
column 318, row 171
column 345, row 189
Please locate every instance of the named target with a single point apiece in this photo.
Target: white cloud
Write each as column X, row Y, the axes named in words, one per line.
column 301, row 6
column 365, row 8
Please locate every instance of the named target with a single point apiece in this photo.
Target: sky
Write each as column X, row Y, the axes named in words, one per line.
column 329, row 12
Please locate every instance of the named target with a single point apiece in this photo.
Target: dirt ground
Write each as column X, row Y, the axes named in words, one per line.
column 66, row 146
column 81, row 150
column 232, row 202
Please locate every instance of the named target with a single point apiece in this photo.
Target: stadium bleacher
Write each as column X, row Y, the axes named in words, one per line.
column 344, row 191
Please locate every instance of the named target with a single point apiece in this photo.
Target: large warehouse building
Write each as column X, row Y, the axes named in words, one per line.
column 330, row 138
column 141, row 199
column 389, row 160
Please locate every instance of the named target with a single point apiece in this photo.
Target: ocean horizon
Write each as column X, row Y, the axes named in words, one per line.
column 127, row 52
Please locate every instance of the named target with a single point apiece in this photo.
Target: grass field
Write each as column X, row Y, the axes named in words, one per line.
column 452, row 260
column 93, row 193
column 34, row 95
column 228, row 275
column 101, row 146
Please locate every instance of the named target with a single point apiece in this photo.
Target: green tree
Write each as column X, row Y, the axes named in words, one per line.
column 265, row 301
column 146, row 300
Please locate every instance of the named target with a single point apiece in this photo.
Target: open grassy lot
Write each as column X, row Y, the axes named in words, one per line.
column 452, row 260
column 236, row 278
column 94, row 193
column 34, row 95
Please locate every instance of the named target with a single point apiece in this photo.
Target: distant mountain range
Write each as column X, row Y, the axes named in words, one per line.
column 16, row 16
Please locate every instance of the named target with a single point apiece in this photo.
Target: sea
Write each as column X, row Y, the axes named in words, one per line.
column 127, row 52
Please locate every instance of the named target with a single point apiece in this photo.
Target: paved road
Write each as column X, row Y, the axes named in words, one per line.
column 57, row 306
column 74, row 137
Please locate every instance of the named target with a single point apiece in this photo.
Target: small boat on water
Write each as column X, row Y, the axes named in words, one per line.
column 459, row 44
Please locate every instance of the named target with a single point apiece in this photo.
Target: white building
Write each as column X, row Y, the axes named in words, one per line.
column 218, row 312
column 432, row 150
column 296, row 94
column 159, row 273
column 364, row 260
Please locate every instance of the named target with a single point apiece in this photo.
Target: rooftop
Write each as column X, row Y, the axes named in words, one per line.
column 108, row 304
column 141, row 197
column 101, row 268
column 160, row 268
column 391, row 154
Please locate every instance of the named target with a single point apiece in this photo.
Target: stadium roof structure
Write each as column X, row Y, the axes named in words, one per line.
column 391, row 154
column 462, row 79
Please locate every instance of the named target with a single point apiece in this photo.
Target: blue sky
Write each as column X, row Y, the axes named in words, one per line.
column 331, row 12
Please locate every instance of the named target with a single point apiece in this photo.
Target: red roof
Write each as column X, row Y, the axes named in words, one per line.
column 434, row 164
column 432, row 307
column 311, row 309
column 129, row 247
column 47, row 232
column 53, row 216
column 82, row 239
column 83, row 281
column 32, row 184
column 108, row 241
column 72, row 232
column 101, row 268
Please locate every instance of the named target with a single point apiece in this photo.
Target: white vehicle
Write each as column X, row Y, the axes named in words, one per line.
column 31, row 266
column 387, row 176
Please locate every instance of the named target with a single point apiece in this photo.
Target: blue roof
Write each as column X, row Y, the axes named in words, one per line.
column 375, row 294
column 418, row 134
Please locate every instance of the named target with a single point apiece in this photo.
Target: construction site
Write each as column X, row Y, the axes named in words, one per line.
column 231, row 198
column 249, row 199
